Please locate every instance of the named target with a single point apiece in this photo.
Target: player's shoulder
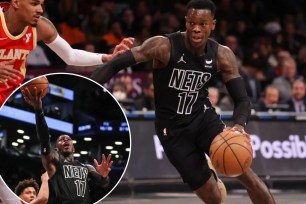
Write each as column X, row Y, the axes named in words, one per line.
column 224, row 51
column 46, row 31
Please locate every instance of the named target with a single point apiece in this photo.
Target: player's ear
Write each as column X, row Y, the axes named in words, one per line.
column 15, row 3
column 214, row 24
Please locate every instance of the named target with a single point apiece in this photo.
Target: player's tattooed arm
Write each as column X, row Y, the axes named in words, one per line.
column 227, row 63
column 156, row 48
column 228, row 66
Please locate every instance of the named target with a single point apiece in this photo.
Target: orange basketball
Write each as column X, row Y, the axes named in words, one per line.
column 41, row 83
column 231, row 153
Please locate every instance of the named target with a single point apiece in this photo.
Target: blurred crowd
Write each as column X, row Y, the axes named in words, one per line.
column 268, row 40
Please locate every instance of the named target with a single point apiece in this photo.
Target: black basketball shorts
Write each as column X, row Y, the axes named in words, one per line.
column 186, row 143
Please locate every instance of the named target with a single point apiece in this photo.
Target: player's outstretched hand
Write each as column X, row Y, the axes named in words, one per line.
column 33, row 99
column 7, row 72
column 124, row 45
column 105, row 167
column 44, row 177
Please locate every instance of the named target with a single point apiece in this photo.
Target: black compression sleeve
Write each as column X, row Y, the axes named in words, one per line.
column 42, row 132
column 110, row 68
column 98, row 179
column 242, row 104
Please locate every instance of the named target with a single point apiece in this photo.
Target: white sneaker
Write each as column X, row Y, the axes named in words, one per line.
column 220, row 184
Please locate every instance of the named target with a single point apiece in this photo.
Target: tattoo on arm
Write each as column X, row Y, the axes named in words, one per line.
column 155, row 48
column 227, row 63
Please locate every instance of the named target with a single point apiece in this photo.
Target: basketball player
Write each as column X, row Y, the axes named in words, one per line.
column 27, row 190
column 185, row 121
column 68, row 177
column 21, row 26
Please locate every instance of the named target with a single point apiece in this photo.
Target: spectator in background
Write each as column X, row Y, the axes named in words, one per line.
column 213, row 95
column 28, row 190
column 114, row 35
column 146, row 101
column 95, row 25
column 71, row 31
column 301, row 59
column 128, row 22
column 270, row 99
column 283, row 82
column 231, row 41
column 119, row 91
column 298, row 101
column 252, row 75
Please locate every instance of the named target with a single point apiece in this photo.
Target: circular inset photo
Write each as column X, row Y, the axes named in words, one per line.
column 63, row 139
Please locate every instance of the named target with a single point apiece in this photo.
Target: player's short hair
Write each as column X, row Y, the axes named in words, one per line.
column 24, row 184
column 202, row 4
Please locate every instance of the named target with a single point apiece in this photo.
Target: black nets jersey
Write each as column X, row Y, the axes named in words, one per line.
column 70, row 184
column 181, row 88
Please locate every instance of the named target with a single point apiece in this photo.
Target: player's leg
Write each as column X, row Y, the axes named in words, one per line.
column 211, row 126
column 257, row 190
column 220, row 183
column 209, row 192
column 188, row 159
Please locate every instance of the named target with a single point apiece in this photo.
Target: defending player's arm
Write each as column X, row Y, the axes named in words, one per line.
column 156, row 48
column 43, row 194
column 48, row 34
column 99, row 175
column 227, row 64
column 49, row 158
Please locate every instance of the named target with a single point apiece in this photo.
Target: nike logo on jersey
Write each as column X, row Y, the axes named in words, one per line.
column 181, row 59
column 3, row 38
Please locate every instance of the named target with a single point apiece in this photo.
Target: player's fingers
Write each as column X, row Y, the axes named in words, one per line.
column 96, row 162
column 40, row 94
column 8, row 73
column 10, row 62
column 109, row 157
column 4, row 81
column 110, row 163
column 103, row 158
column 27, row 93
column 128, row 42
column 35, row 92
column 121, row 47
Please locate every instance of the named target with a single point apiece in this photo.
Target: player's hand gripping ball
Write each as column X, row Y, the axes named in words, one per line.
column 41, row 84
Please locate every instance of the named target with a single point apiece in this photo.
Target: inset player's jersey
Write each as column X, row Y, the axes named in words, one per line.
column 181, row 88
column 15, row 48
column 70, row 184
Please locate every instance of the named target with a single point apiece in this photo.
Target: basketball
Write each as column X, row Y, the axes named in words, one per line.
column 41, row 83
column 231, row 153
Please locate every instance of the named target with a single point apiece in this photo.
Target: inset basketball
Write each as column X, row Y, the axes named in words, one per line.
column 231, row 153
column 41, row 83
